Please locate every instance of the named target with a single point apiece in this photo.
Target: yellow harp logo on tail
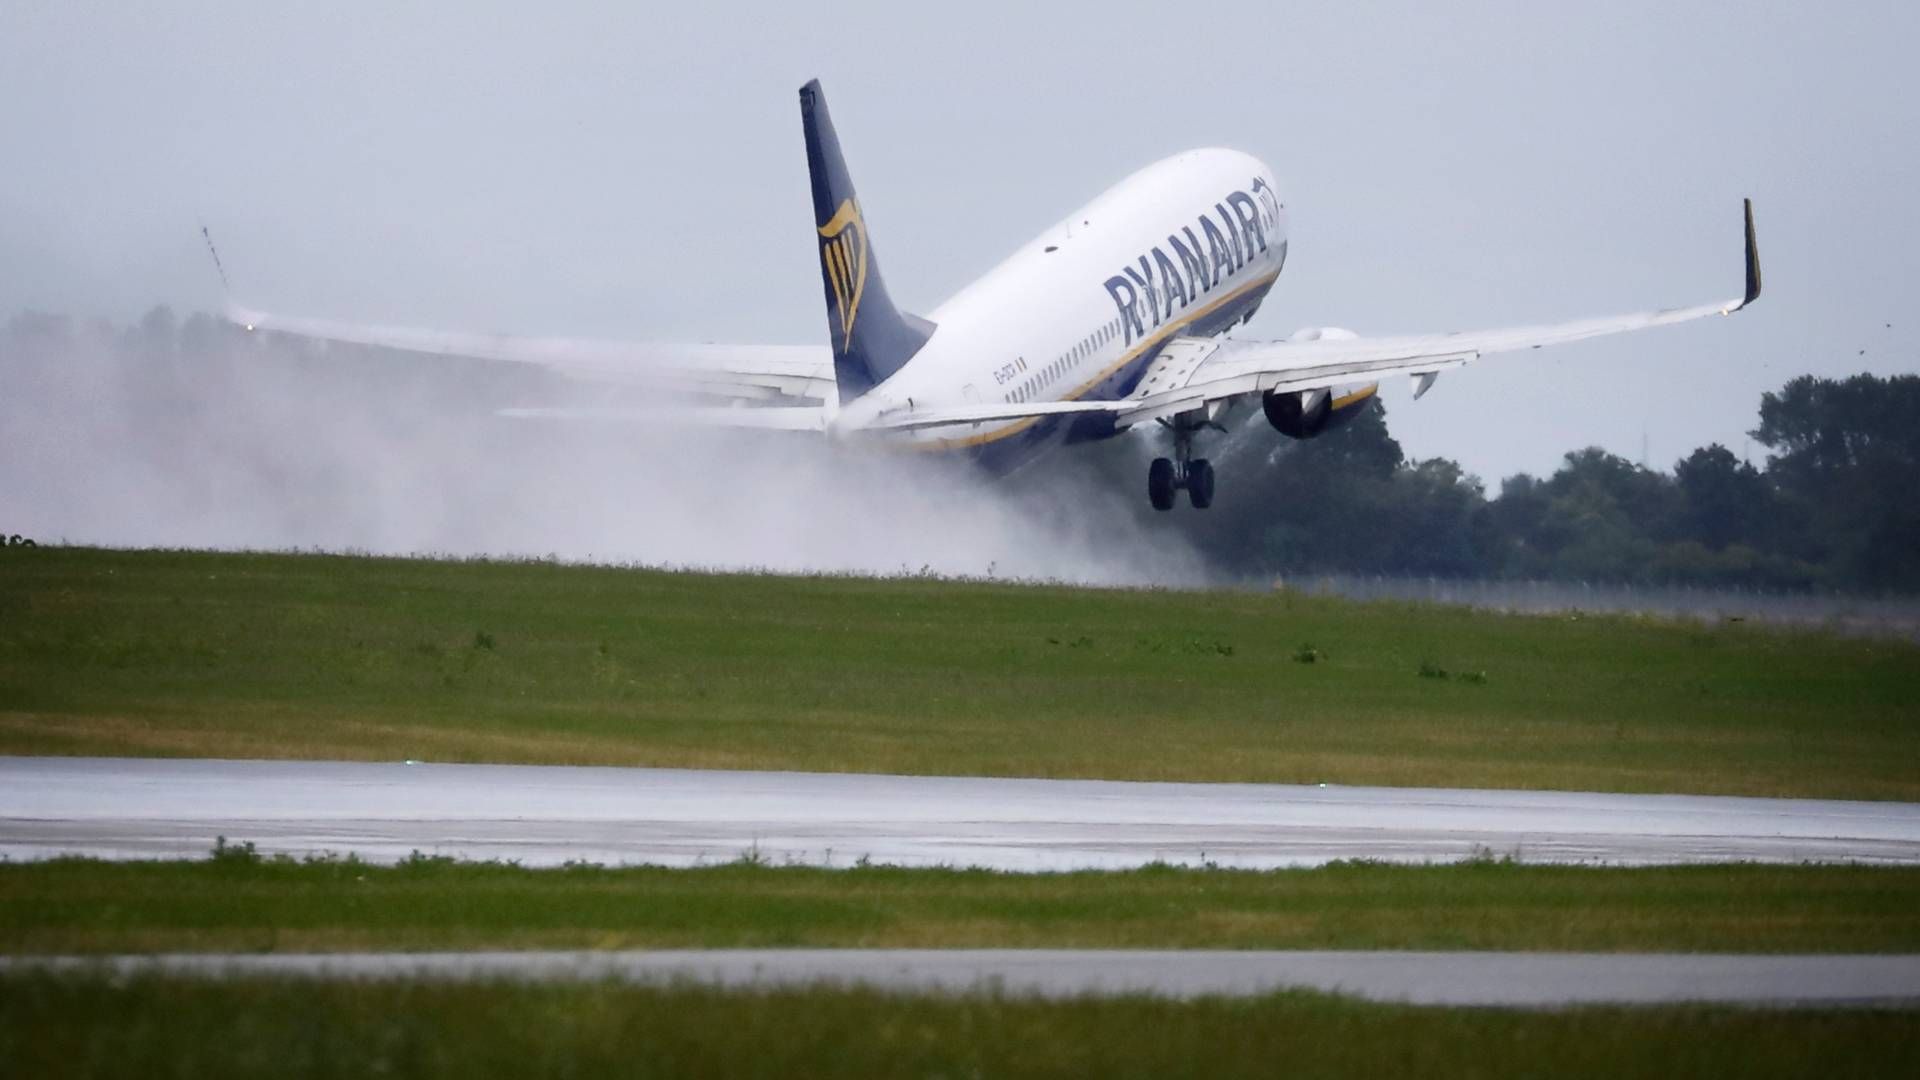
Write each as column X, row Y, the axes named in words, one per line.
column 843, row 254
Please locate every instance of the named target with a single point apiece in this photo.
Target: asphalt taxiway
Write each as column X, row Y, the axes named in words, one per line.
column 1514, row 980
column 545, row 815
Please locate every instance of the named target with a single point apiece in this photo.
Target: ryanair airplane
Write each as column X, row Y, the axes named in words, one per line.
column 1108, row 320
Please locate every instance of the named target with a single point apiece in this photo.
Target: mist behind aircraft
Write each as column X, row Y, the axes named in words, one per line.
column 202, row 436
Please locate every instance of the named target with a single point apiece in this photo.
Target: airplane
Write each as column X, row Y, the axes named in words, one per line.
column 1109, row 320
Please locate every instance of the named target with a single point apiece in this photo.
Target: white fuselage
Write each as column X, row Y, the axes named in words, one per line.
column 1186, row 246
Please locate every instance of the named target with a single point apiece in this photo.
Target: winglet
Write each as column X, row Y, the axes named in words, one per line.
column 225, row 285
column 230, row 308
column 1753, row 260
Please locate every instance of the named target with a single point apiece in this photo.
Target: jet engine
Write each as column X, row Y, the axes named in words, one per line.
column 1303, row 414
column 1298, row 414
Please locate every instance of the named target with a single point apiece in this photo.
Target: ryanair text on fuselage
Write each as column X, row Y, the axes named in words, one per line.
column 1146, row 292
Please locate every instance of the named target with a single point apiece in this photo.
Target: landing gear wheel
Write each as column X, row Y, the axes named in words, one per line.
column 1200, row 483
column 1160, row 484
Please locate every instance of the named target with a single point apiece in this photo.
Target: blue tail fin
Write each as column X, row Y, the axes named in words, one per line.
column 872, row 339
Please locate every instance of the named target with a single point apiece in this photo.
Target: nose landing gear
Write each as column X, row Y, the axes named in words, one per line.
column 1194, row 475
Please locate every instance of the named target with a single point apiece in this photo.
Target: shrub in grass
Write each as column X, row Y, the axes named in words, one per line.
column 1429, row 670
column 240, row 854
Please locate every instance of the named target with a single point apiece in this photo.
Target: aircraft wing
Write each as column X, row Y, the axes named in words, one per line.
column 1192, row 374
column 778, row 375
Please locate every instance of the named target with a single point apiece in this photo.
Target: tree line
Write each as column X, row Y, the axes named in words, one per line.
column 1832, row 507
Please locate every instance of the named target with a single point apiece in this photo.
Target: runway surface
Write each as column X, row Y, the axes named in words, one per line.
column 157, row 808
column 1532, row 980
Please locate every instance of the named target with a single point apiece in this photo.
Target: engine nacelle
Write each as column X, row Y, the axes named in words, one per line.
column 1295, row 414
column 1303, row 414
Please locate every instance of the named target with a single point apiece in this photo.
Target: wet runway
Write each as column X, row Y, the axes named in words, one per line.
column 157, row 808
column 1530, row 980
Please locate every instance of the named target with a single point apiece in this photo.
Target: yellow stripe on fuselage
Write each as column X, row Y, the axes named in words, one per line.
column 1152, row 341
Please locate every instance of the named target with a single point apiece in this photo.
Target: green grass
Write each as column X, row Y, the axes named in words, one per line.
column 171, row 653
column 154, row 1026
column 238, row 904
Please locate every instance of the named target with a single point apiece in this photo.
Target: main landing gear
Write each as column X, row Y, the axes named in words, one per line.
column 1195, row 475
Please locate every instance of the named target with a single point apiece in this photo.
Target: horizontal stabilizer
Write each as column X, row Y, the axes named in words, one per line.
column 782, row 373
column 772, row 418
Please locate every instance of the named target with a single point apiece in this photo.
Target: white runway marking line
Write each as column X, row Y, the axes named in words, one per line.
column 129, row 808
column 1514, row 980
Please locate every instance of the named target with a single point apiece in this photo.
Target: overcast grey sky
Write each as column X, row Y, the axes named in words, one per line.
column 637, row 171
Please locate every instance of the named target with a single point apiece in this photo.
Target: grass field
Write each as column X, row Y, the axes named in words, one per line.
column 165, row 653
column 242, row 904
column 151, row 1026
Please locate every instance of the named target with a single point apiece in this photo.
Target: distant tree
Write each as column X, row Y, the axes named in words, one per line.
column 1325, row 501
column 1506, row 530
column 1818, row 428
column 202, row 335
column 1435, row 504
column 39, row 327
column 159, row 332
column 1611, row 485
column 1846, row 459
column 1724, row 500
